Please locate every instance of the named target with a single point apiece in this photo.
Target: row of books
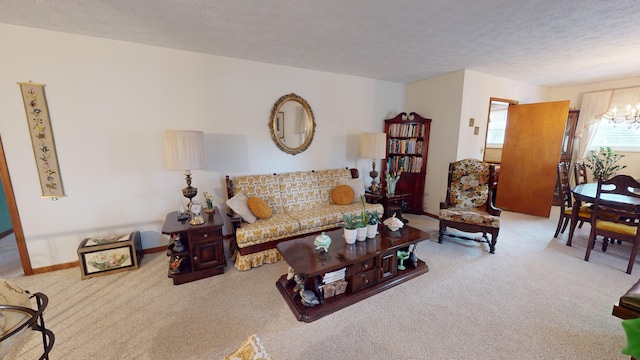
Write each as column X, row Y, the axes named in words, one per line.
column 412, row 164
column 405, row 146
column 334, row 276
column 406, row 130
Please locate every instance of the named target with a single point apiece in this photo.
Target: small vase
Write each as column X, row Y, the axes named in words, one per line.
column 350, row 236
column 361, row 233
column 372, row 230
column 391, row 185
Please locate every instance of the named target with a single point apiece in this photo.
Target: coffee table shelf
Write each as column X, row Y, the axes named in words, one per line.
column 371, row 267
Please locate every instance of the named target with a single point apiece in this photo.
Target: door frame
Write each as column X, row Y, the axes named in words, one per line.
column 13, row 213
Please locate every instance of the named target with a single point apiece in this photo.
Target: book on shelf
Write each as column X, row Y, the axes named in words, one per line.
column 334, row 276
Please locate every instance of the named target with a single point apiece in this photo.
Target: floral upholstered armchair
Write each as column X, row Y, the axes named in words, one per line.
column 469, row 203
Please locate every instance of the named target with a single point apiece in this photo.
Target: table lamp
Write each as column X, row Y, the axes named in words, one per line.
column 185, row 151
column 373, row 146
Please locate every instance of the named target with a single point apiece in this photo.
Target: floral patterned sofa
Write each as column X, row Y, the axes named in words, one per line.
column 300, row 203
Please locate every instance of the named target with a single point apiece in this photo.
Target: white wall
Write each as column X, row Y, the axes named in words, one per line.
column 450, row 100
column 110, row 102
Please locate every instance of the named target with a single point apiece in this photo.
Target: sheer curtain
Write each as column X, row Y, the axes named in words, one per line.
column 594, row 105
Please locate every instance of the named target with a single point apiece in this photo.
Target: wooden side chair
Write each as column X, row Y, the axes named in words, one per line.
column 624, row 226
column 580, row 173
column 566, row 209
column 469, row 202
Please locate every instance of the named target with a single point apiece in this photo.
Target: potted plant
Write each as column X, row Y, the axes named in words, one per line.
column 365, row 217
column 603, row 163
column 372, row 225
column 350, row 226
column 208, row 199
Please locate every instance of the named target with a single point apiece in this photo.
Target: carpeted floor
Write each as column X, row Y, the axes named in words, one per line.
column 535, row 298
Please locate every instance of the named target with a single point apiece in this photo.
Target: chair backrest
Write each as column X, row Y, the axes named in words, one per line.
column 619, row 196
column 469, row 183
column 580, row 173
column 564, row 187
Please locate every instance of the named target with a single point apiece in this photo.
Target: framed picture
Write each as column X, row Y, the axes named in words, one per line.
column 280, row 125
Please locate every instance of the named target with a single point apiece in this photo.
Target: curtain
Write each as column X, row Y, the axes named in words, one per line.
column 594, row 105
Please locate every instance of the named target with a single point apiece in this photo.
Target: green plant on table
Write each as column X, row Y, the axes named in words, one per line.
column 374, row 218
column 208, row 198
column 351, row 222
column 603, row 163
column 365, row 216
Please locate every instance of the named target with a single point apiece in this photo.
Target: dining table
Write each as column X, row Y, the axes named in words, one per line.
column 587, row 193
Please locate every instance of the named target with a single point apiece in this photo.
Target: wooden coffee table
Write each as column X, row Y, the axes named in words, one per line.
column 371, row 267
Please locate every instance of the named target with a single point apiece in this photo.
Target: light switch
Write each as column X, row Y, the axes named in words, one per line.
column 476, row 130
column 471, row 121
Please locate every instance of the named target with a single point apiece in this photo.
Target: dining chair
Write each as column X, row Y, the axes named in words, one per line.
column 566, row 209
column 610, row 200
column 580, row 173
column 468, row 204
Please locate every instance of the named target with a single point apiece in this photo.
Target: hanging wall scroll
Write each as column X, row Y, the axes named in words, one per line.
column 44, row 148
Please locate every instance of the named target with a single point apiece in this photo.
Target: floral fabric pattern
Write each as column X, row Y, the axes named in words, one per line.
column 469, row 184
column 266, row 187
column 299, row 191
column 470, row 216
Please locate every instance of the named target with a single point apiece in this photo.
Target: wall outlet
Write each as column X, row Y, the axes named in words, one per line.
column 472, row 121
column 476, row 130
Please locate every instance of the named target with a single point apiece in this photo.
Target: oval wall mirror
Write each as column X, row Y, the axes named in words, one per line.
column 292, row 124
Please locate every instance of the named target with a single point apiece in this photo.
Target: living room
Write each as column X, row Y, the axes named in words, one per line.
column 111, row 101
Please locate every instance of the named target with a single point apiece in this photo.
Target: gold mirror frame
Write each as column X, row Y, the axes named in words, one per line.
column 277, row 134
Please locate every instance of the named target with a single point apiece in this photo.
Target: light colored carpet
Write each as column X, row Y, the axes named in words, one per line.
column 535, row 298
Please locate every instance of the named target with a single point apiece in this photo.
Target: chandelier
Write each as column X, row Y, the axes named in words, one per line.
column 630, row 117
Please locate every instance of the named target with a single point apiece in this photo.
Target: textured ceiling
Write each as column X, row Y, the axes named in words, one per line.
column 545, row 42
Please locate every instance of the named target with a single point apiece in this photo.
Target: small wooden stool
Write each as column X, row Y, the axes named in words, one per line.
column 109, row 254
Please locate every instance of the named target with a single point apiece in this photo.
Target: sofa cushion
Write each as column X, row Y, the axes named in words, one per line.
column 328, row 180
column 267, row 187
column 315, row 218
column 299, row 191
column 239, row 205
column 342, row 195
column 277, row 226
column 357, row 185
column 259, row 207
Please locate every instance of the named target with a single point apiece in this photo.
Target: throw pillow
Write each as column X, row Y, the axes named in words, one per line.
column 357, row 185
column 239, row 205
column 342, row 195
column 259, row 207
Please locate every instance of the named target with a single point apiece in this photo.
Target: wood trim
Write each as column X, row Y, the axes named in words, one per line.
column 13, row 213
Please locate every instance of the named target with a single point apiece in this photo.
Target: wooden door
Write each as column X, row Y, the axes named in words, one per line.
column 530, row 156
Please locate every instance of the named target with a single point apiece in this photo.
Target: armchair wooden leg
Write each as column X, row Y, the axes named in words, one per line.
column 443, row 228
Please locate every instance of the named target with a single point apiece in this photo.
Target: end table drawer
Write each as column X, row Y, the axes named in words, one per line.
column 363, row 280
column 204, row 235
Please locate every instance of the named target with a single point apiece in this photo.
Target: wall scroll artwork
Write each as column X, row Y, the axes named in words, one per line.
column 44, row 149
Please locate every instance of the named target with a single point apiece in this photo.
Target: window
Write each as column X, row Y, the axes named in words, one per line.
column 620, row 137
column 497, row 124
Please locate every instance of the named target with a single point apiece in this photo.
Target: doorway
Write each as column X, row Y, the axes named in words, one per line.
column 12, row 207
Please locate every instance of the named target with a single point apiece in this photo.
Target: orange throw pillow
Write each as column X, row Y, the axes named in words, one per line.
column 342, row 195
column 259, row 207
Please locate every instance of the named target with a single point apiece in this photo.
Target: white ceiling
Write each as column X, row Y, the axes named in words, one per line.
column 545, row 42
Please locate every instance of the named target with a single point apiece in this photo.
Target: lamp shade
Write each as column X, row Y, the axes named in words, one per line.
column 184, row 149
column 373, row 145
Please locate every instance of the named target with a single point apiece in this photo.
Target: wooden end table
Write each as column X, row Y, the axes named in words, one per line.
column 391, row 203
column 371, row 267
column 203, row 252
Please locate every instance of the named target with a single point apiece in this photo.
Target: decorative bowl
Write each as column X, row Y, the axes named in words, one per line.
column 393, row 223
column 322, row 241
